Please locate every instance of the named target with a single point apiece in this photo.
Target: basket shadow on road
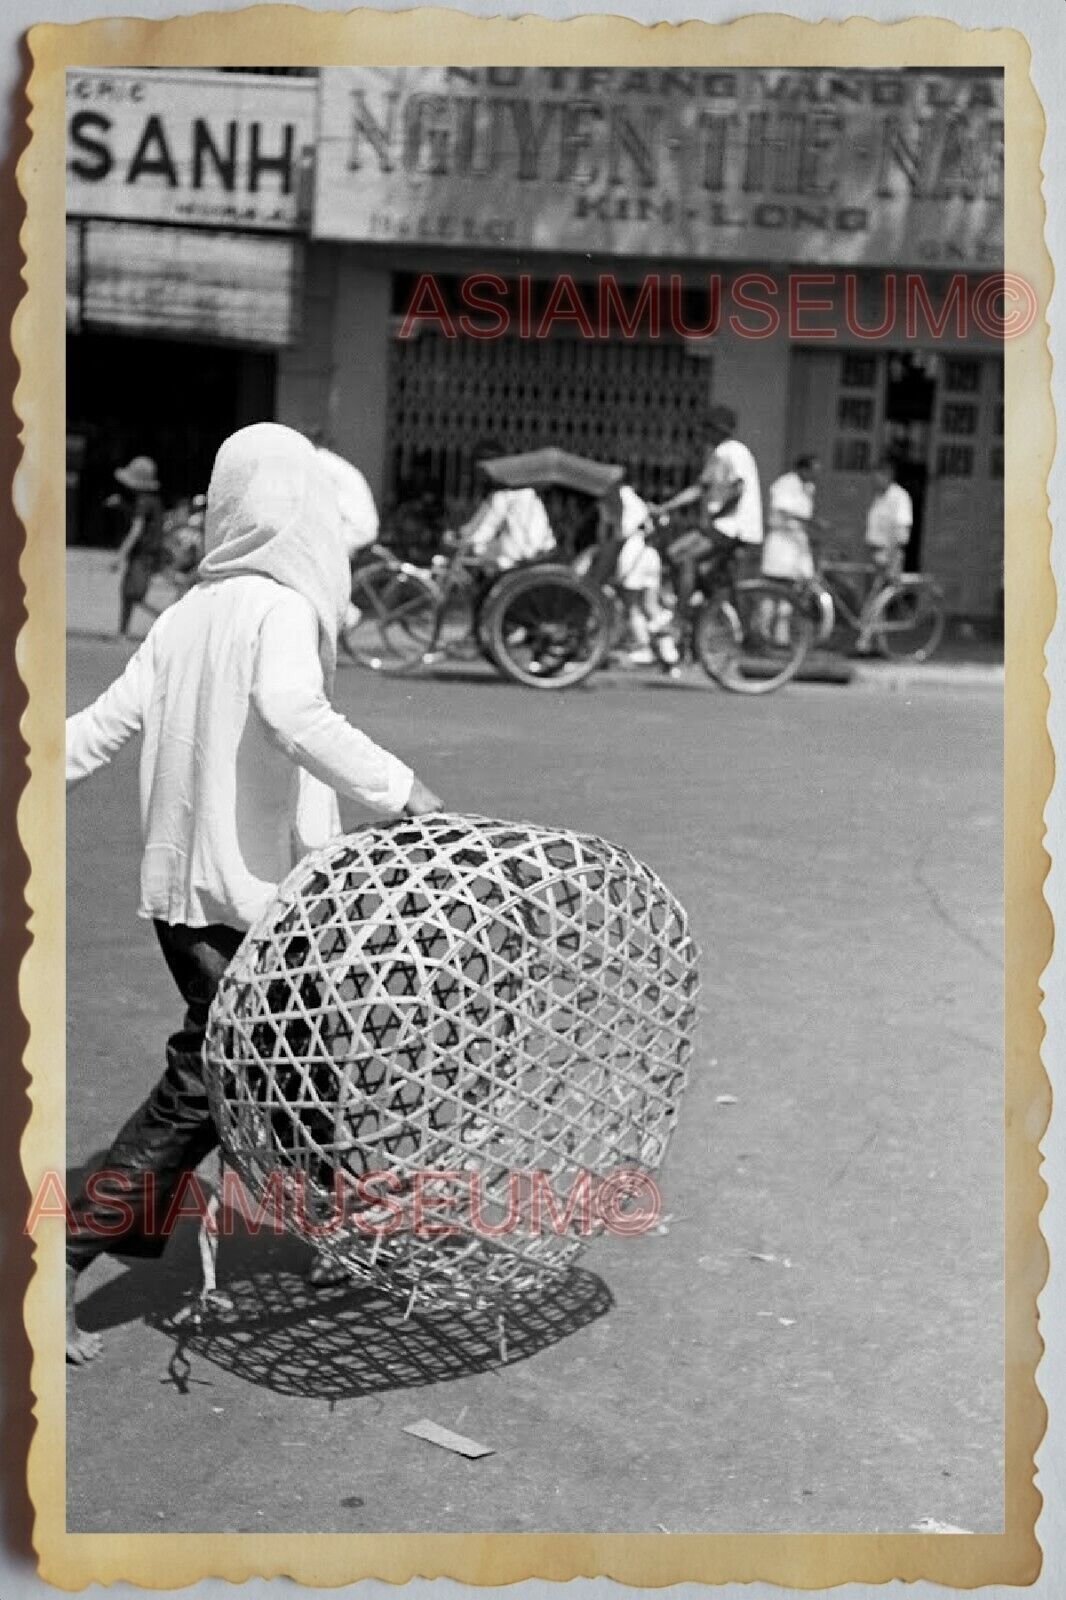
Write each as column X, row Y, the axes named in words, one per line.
column 339, row 1342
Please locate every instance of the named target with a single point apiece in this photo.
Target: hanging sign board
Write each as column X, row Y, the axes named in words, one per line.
column 215, row 148
column 896, row 168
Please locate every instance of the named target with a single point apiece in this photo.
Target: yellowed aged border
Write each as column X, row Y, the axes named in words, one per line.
column 277, row 35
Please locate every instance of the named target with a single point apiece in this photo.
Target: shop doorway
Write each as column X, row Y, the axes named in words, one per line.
column 168, row 399
column 940, row 415
column 909, row 408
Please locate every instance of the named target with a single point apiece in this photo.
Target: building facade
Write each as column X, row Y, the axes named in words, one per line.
column 187, row 202
column 587, row 257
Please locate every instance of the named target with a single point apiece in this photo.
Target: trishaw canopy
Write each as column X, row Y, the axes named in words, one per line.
column 553, row 468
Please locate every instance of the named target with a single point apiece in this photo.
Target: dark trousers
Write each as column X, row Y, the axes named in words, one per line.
column 136, row 581
column 123, row 1203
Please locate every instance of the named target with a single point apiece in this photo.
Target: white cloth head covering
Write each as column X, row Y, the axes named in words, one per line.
column 358, row 511
column 272, row 511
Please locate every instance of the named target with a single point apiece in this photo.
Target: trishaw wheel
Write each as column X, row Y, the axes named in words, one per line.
column 395, row 618
column 546, row 627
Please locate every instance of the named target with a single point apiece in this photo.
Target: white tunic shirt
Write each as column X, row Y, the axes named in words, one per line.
column 510, row 527
column 889, row 519
column 787, row 551
column 228, row 693
column 639, row 566
column 727, row 463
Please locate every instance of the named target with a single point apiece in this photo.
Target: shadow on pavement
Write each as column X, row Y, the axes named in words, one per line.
column 339, row 1342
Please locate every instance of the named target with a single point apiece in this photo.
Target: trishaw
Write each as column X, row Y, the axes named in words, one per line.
column 546, row 626
column 539, row 624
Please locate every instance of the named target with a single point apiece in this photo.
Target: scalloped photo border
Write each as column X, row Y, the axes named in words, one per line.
column 292, row 36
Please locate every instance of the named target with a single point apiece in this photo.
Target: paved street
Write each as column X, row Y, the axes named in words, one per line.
column 813, row 1343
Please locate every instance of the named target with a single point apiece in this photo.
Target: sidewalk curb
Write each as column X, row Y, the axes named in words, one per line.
column 901, row 679
column 884, row 676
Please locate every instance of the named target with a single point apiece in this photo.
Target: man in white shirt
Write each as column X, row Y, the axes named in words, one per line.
column 889, row 520
column 732, row 497
column 508, row 528
column 240, row 746
column 787, row 551
column 728, row 495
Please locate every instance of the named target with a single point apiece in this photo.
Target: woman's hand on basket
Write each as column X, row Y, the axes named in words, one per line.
column 421, row 802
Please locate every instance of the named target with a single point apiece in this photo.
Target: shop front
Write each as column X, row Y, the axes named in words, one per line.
column 939, row 415
column 186, row 193
column 453, row 208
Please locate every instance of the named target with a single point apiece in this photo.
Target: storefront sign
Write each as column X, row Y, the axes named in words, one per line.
column 225, row 149
column 147, row 279
column 880, row 168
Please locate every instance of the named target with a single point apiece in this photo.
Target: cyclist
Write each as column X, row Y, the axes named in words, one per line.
column 728, row 496
column 623, row 557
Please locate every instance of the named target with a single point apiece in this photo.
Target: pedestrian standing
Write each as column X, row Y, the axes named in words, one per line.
column 889, row 520
column 787, row 552
column 230, row 692
column 141, row 552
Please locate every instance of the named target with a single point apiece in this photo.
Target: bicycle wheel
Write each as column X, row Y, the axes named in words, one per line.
column 397, row 615
column 754, row 637
column 546, row 627
column 909, row 621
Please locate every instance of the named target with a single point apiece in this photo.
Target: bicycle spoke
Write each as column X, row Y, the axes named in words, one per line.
column 547, row 630
column 370, row 597
column 415, row 604
column 396, row 622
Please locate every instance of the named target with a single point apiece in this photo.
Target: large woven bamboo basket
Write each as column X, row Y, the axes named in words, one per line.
column 509, row 1003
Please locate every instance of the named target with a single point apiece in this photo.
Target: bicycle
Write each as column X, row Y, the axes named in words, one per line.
column 750, row 634
column 547, row 627
column 540, row 625
column 901, row 615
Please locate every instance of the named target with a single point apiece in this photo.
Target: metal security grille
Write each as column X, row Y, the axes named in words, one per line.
column 635, row 402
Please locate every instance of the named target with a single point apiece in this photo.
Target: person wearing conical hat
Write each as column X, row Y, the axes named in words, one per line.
column 242, row 755
column 141, row 552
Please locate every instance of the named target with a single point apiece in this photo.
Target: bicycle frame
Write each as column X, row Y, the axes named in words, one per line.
column 453, row 578
column 448, row 576
column 835, row 597
column 843, row 594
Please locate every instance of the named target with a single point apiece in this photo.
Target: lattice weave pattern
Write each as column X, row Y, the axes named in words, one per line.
column 451, row 993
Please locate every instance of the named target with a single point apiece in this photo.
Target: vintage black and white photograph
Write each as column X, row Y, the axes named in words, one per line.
column 535, row 602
